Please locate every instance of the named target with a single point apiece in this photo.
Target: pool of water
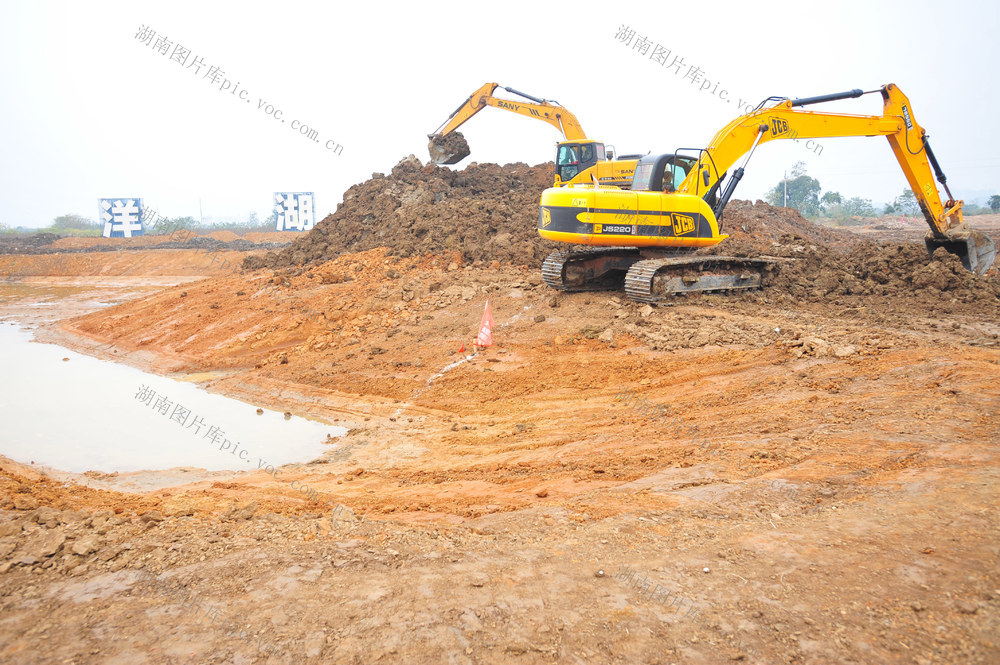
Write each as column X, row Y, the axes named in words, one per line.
column 85, row 414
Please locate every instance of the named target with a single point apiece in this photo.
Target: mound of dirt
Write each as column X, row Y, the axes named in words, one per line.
column 77, row 242
column 754, row 227
column 272, row 236
column 224, row 236
column 899, row 272
column 485, row 211
column 489, row 213
column 15, row 243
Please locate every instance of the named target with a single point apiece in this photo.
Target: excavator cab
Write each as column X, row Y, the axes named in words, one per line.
column 651, row 231
column 573, row 157
column 661, row 173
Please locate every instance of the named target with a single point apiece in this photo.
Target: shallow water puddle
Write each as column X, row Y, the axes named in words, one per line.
column 86, row 414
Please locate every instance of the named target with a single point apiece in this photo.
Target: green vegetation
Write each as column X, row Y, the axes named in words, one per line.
column 161, row 226
column 799, row 191
column 64, row 225
column 77, row 225
column 166, row 226
column 802, row 192
column 74, row 223
column 905, row 204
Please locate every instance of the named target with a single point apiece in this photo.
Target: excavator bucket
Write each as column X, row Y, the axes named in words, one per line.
column 974, row 248
column 449, row 149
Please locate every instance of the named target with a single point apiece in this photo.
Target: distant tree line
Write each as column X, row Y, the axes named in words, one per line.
column 802, row 192
column 167, row 225
column 79, row 225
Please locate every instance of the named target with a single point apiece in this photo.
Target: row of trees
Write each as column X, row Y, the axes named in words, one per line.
column 76, row 225
column 166, row 226
column 73, row 223
column 802, row 192
column 79, row 225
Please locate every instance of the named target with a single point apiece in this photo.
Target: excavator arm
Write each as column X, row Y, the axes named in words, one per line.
column 907, row 139
column 447, row 152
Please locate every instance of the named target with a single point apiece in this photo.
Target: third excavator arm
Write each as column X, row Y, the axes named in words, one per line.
column 677, row 201
column 578, row 159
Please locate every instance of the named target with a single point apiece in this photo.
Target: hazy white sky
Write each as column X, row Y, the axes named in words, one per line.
column 90, row 111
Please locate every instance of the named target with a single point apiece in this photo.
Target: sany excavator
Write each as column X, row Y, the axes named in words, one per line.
column 676, row 204
column 578, row 159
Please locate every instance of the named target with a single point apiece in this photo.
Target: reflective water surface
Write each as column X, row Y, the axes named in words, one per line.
column 84, row 414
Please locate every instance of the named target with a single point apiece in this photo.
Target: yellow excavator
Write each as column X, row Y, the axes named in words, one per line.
column 649, row 234
column 578, row 159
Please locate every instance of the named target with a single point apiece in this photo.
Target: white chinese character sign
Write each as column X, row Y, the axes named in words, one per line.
column 294, row 211
column 121, row 217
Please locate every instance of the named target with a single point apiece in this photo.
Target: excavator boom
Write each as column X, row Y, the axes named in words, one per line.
column 578, row 159
column 648, row 235
column 908, row 140
column 450, row 152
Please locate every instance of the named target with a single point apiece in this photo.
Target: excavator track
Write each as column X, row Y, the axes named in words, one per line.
column 657, row 280
column 588, row 269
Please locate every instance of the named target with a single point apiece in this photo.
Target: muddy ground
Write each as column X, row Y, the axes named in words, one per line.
column 802, row 474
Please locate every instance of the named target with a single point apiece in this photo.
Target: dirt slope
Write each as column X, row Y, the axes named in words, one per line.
column 833, row 468
column 802, row 474
column 487, row 212
column 484, row 211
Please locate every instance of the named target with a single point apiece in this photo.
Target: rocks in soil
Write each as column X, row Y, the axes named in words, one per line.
column 345, row 514
column 489, row 213
column 25, row 502
column 85, row 545
column 239, row 512
column 10, row 529
column 486, row 212
column 450, row 149
column 180, row 506
column 755, row 227
column 901, row 273
column 47, row 516
column 44, row 544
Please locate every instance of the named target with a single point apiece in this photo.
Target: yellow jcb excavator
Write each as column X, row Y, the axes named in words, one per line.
column 578, row 159
column 676, row 204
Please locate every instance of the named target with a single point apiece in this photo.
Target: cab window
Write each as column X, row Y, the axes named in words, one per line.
column 679, row 174
column 567, row 155
column 587, row 153
column 641, row 177
column 601, row 155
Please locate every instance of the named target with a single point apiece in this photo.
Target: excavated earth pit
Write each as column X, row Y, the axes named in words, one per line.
column 803, row 474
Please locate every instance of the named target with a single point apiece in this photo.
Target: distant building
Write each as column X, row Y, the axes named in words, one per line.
column 122, row 217
column 294, row 210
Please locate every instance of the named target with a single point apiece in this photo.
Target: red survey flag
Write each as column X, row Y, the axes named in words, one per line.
column 485, row 337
